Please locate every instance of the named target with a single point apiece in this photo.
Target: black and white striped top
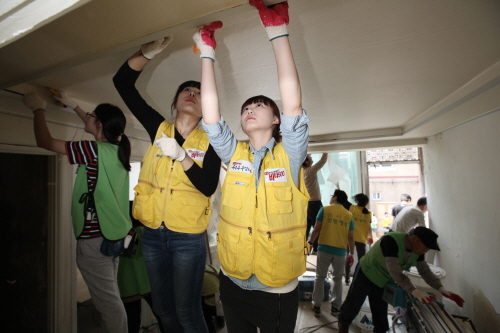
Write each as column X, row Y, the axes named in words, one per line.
column 85, row 152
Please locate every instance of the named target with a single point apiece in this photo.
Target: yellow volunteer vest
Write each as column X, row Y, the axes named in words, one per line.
column 164, row 192
column 362, row 223
column 335, row 226
column 263, row 233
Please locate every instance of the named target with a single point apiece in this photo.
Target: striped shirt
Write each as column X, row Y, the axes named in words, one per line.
column 85, row 152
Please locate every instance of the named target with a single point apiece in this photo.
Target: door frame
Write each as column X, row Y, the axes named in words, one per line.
column 61, row 243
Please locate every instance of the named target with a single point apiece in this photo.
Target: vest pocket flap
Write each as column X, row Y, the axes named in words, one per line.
column 282, row 256
column 282, row 193
column 142, row 208
column 279, row 199
column 234, row 191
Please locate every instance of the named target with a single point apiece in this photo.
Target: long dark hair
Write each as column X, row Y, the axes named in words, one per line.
column 276, row 111
column 362, row 201
column 113, row 123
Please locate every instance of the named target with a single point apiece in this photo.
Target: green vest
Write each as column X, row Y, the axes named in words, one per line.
column 110, row 195
column 373, row 262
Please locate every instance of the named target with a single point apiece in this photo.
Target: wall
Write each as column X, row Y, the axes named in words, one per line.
column 16, row 125
column 463, row 187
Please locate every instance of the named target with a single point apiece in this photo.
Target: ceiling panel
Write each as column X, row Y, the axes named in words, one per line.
column 365, row 66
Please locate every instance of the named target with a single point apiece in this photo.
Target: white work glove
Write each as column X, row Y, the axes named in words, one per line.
column 422, row 296
column 34, row 102
column 454, row 297
column 65, row 99
column 149, row 50
column 169, row 147
column 274, row 18
column 204, row 38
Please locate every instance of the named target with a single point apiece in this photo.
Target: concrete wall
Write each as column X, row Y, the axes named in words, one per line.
column 463, row 189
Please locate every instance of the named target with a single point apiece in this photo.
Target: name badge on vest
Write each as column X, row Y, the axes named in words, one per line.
column 242, row 166
column 275, row 175
column 196, row 154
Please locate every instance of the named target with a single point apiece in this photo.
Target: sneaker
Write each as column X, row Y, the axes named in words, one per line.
column 335, row 311
column 316, row 310
column 347, row 282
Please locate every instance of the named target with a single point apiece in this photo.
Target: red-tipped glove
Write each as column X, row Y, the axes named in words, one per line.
column 422, row 296
column 454, row 297
column 204, row 38
column 370, row 240
column 350, row 259
column 274, row 18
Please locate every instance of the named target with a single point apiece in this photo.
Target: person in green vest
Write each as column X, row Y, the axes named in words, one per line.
column 100, row 204
column 394, row 253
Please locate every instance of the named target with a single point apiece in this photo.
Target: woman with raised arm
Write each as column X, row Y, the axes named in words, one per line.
column 261, row 237
column 180, row 172
column 100, row 204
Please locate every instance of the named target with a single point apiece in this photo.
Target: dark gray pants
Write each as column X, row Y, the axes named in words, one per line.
column 245, row 310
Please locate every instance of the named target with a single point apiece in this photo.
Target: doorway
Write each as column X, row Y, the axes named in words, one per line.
column 24, row 198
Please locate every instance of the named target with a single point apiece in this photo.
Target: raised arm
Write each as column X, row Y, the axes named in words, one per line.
column 141, row 58
column 205, row 41
column 70, row 103
column 42, row 133
column 275, row 18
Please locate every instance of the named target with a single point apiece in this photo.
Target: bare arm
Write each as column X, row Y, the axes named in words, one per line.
column 42, row 134
column 209, row 94
column 81, row 113
column 350, row 238
column 315, row 232
column 288, row 77
column 137, row 61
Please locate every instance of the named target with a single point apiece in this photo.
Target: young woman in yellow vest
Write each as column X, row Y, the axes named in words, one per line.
column 363, row 232
column 100, row 205
column 261, row 235
column 179, row 173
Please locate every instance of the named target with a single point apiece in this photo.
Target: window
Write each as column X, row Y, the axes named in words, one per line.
column 376, row 196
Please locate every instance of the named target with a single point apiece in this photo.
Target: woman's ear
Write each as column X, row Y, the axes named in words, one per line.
column 276, row 120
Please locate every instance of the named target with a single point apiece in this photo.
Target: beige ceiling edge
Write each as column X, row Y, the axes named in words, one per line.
column 356, row 146
column 356, row 135
column 478, row 85
column 28, row 16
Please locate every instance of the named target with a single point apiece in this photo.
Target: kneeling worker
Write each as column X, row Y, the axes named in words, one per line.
column 385, row 262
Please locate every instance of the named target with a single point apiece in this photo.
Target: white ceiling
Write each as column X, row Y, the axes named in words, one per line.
column 373, row 73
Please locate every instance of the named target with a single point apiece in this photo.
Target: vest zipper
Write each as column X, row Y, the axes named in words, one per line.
column 167, row 186
column 250, row 229
column 277, row 231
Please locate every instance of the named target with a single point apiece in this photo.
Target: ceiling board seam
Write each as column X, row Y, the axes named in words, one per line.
column 452, row 106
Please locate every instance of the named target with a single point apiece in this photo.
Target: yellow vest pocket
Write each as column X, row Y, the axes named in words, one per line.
column 142, row 208
column 234, row 190
column 188, row 208
column 279, row 199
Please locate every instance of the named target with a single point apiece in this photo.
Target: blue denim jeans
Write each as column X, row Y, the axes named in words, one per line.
column 175, row 263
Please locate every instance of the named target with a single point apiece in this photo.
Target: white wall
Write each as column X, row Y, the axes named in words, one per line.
column 463, row 190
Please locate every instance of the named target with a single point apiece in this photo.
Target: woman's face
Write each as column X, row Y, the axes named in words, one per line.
column 189, row 101
column 91, row 123
column 258, row 116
